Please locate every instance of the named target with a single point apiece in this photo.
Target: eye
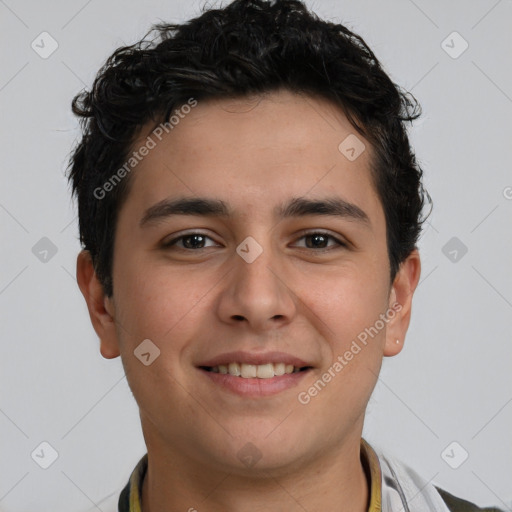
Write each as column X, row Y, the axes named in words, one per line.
column 196, row 241
column 190, row 241
column 320, row 240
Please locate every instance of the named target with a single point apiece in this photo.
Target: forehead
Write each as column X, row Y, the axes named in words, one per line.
column 253, row 152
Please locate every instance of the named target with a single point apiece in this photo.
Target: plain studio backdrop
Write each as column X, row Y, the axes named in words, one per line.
column 442, row 406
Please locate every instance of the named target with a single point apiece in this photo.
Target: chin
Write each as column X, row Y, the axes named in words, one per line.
column 266, row 451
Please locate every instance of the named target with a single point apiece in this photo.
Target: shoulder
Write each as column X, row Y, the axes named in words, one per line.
column 455, row 504
column 124, row 499
column 401, row 485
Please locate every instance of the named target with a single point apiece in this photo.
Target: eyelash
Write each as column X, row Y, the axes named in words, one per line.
column 174, row 241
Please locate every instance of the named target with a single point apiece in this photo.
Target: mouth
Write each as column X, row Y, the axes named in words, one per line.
column 255, row 371
column 254, row 375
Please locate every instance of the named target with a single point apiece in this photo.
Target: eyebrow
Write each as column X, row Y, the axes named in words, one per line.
column 296, row 207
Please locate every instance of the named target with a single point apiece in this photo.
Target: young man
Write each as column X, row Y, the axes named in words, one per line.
column 249, row 207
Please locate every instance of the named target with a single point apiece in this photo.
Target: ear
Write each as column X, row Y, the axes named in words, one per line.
column 101, row 308
column 400, row 302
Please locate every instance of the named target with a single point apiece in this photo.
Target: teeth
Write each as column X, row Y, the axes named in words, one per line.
column 248, row 371
column 264, row 371
column 234, row 369
column 251, row 371
column 279, row 368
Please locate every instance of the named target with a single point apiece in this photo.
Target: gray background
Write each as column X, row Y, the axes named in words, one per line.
column 452, row 382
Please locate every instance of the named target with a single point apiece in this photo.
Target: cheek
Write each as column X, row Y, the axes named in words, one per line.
column 356, row 340
column 347, row 314
column 151, row 303
column 160, row 307
column 346, row 304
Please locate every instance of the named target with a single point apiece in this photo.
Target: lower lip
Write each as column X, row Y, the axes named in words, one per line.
column 253, row 388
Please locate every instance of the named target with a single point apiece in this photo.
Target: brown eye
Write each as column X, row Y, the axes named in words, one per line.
column 317, row 241
column 191, row 241
column 320, row 240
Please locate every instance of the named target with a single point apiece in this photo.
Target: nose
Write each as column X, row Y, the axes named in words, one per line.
column 257, row 292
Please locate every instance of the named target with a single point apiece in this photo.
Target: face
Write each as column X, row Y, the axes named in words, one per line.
column 280, row 267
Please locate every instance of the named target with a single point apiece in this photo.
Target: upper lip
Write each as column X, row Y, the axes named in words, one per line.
column 256, row 358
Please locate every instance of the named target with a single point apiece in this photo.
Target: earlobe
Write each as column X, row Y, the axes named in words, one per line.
column 400, row 302
column 101, row 310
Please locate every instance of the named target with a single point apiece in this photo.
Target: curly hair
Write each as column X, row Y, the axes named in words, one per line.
column 247, row 47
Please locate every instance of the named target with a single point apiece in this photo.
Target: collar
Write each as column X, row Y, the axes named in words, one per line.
column 131, row 498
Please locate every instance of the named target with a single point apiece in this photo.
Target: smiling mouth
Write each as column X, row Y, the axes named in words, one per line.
column 258, row 371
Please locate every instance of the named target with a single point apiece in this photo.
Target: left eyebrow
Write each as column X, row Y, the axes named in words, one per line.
column 296, row 207
column 335, row 206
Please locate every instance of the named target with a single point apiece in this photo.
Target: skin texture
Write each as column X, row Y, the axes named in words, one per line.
column 254, row 154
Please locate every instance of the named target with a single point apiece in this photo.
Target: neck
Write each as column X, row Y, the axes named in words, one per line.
column 335, row 481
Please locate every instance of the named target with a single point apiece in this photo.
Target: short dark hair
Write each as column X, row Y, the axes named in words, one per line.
column 247, row 47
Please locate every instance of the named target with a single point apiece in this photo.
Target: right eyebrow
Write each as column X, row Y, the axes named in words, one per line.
column 185, row 206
